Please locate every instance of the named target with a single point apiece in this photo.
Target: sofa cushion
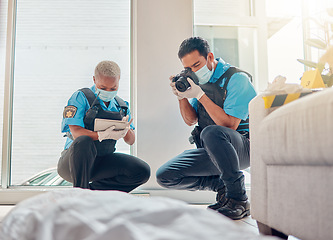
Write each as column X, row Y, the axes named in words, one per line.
column 301, row 132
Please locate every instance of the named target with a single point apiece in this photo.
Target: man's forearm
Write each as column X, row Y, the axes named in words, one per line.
column 78, row 131
column 130, row 137
column 187, row 111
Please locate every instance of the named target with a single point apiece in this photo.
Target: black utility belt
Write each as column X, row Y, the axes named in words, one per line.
column 195, row 136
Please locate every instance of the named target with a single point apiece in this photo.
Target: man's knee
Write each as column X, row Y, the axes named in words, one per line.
column 163, row 177
column 213, row 133
column 144, row 173
column 160, row 176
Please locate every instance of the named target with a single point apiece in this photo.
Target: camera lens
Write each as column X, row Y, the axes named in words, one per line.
column 182, row 84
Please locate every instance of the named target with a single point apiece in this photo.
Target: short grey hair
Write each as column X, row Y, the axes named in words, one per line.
column 108, row 69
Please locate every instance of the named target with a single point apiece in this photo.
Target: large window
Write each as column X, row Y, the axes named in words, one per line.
column 235, row 45
column 294, row 29
column 318, row 29
column 58, row 45
column 285, row 39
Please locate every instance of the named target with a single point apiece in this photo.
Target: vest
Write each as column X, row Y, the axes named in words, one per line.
column 218, row 95
column 96, row 111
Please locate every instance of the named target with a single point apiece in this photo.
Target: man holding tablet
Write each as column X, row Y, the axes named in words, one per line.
column 89, row 159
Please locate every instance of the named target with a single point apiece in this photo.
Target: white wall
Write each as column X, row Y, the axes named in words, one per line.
column 159, row 28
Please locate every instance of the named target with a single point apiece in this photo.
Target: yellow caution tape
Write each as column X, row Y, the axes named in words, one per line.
column 282, row 99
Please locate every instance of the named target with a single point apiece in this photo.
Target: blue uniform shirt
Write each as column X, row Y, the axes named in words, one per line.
column 240, row 91
column 79, row 100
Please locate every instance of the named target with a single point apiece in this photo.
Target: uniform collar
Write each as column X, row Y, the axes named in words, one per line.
column 220, row 69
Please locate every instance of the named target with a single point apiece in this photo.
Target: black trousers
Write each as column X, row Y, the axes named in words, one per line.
column 81, row 165
column 215, row 166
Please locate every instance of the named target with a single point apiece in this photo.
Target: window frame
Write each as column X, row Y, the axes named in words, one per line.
column 8, row 94
column 12, row 194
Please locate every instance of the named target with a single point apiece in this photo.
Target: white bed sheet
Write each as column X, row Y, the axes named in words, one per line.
column 80, row 214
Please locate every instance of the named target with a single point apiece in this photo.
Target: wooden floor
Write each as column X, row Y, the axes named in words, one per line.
column 247, row 222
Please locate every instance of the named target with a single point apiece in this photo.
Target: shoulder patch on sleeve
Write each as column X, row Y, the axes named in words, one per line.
column 69, row 111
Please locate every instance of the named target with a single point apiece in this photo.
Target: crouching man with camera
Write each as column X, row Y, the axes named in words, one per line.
column 215, row 95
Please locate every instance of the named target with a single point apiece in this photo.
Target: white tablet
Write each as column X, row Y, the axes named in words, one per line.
column 102, row 124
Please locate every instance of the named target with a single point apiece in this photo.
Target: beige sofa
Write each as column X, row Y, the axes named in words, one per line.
column 292, row 166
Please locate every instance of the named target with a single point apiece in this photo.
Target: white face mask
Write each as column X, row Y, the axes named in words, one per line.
column 106, row 96
column 204, row 74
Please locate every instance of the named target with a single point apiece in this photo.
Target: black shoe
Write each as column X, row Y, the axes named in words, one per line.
column 221, row 200
column 235, row 209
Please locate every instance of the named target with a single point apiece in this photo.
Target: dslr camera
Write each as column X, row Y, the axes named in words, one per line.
column 181, row 79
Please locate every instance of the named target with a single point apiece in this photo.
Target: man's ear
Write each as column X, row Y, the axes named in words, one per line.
column 210, row 57
column 211, row 61
column 94, row 79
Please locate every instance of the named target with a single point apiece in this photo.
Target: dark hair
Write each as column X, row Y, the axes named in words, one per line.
column 191, row 44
